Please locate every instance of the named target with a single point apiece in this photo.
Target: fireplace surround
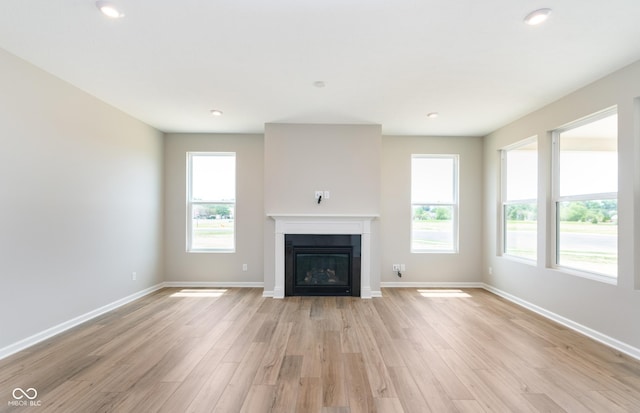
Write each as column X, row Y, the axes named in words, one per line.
column 330, row 224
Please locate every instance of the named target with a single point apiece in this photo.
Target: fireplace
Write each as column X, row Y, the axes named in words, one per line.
column 327, row 264
column 318, row 224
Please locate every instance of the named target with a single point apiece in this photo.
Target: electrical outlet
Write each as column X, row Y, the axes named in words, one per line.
column 490, row 270
column 134, row 276
column 403, row 268
column 319, row 194
column 326, row 195
column 245, row 267
column 396, row 267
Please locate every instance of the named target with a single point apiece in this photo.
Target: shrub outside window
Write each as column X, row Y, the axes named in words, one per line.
column 434, row 203
column 586, row 195
column 211, row 199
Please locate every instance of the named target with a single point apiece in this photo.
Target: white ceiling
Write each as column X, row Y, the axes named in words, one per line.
column 388, row 62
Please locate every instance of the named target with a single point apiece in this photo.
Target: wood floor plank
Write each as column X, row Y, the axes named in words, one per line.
column 206, row 372
column 409, row 393
column 432, row 391
column 232, row 350
column 209, row 393
column 334, row 391
column 348, row 335
column 259, row 399
column 269, row 370
column 379, row 379
column 309, row 395
column 358, row 388
column 238, row 387
column 468, row 406
column 484, row 394
column 388, row 405
column 288, row 384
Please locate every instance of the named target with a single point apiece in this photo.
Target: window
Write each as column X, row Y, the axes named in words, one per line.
column 520, row 199
column 586, row 195
column 211, row 198
column 434, row 203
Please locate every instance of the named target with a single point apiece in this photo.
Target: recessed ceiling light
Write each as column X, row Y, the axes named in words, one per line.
column 537, row 17
column 432, row 115
column 319, row 84
column 216, row 112
column 109, row 9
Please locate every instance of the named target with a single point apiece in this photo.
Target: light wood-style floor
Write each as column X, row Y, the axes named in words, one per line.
column 235, row 351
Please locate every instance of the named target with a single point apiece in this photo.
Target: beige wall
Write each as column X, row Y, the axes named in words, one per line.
column 300, row 159
column 81, row 209
column 181, row 266
column 610, row 310
column 425, row 268
column 344, row 159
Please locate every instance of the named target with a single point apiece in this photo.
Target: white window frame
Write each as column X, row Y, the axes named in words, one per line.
column 556, row 199
column 191, row 203
column 454, row 205
column 504, row 176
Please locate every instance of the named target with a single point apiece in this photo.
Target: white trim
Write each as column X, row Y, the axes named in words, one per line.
column 431, row 285
column 62, row 327
column 212, row 284
column 593, row 334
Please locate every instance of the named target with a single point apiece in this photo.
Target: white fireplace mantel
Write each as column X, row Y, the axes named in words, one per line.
column 323, row 224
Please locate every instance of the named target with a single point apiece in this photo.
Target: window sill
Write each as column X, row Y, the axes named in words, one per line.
column 210, row 251
column 588, row 275
column 521, row 260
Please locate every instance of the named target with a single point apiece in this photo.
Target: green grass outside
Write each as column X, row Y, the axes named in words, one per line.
column 213, row 234
column 595, row 261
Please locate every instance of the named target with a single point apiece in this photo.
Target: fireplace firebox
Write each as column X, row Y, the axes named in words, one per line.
column 322, row 264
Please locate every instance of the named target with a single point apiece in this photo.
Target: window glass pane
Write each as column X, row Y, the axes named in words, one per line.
column 213, row 177
column 522, row 172
column 589, row 158
column 432, row 180
column 588, row 236
column 521, row 229
column 212, row 227
column 432, row 228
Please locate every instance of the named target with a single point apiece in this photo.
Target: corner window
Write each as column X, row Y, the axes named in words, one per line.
column 586, row 195
column 211, row 199
column 434, row 203
column 520, row 200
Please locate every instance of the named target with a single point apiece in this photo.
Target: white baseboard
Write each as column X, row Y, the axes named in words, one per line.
column 593, row 334
column 431, row 284
column 211, row 284
column 55, row 330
